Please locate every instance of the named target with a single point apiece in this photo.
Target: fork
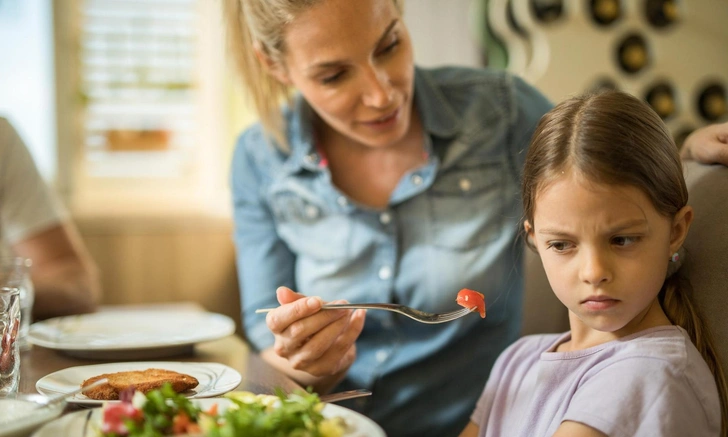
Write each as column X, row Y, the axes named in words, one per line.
column 412, row 313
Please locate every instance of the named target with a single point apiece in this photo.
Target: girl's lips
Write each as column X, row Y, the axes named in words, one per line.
column 599, row 303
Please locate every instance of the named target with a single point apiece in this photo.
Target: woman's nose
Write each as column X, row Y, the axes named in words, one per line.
column 595, row 268
column 378, row 91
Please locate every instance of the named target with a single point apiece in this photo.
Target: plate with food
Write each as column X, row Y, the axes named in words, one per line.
column 124, row 334
column 164, row 412
column 192, row 380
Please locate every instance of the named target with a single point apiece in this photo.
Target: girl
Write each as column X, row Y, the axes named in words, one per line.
column 605, row 206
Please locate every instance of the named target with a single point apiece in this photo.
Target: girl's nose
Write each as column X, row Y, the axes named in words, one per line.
column 595, row 268
column 378, row 91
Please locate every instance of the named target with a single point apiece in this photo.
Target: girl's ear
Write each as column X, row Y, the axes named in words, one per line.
column 680, row 227
column 271, row 66
column 528, row 228
column 529, row 235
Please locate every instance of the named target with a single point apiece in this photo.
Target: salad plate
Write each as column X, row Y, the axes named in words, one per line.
column 86, row 423
column 130, row 334
column 214, row 378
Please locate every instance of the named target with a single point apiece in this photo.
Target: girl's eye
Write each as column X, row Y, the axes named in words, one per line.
column 624, row 241
column 558, row 246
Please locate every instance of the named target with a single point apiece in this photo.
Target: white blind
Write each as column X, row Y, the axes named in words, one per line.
column 139, row 84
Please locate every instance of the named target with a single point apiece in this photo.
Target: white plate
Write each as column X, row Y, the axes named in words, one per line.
column 214, row 378
column 75, row 424
column 130, row 334
column 21, row 414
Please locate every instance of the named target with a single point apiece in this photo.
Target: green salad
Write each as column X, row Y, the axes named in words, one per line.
column 164, row 412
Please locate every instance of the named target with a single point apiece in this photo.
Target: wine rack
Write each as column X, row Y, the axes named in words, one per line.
column 671, row 53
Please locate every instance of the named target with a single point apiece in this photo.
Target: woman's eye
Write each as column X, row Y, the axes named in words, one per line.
column 388, row 48
column 624, row 241
column 333, row 78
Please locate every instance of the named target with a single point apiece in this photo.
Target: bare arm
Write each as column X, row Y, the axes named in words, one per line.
column 708, row 145
column 64, row 276
column 471, row 430
column 576, row 429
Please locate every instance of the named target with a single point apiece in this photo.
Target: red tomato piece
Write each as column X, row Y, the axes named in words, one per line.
column 471, row 299
column 115, row 414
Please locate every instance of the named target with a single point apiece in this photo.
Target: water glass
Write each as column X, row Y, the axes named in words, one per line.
column 15, row 273
column 9, row 347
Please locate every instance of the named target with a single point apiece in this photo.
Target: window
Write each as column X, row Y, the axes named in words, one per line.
column 145, row 80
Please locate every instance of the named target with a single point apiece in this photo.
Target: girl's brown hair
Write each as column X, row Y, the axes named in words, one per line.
column 614, row 138
column 263, row 23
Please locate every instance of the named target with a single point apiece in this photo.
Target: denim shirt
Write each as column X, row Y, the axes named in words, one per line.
column 452, row 223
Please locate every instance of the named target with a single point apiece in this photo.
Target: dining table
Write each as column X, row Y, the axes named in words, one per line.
column 257, row 375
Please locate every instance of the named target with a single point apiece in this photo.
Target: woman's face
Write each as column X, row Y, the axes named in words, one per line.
column 352, row 61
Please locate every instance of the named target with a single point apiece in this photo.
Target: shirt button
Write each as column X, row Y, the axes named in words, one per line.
column 342, row 201
column 385, row 218
column 465, row 184
column 381, row 356
column 385, row 273
column 417, row 179
column 311, row 211
column 311, row 157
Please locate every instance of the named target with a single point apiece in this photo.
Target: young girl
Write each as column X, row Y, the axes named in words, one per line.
column 605, row 207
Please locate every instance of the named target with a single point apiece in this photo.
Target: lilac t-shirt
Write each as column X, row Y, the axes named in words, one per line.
column 652, row 383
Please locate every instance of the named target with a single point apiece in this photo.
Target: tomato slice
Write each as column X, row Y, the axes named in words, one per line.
column 471, row 299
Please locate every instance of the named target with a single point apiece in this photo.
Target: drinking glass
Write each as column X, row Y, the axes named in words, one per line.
column 9, row 347
column 15, row 273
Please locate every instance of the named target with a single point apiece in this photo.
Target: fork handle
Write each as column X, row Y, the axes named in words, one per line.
column 338, row 306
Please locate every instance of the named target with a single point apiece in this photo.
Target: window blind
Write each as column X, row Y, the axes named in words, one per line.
column 139, row 87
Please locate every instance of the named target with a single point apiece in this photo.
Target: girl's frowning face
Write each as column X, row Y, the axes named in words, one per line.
column 605, row 249
column 353, row 62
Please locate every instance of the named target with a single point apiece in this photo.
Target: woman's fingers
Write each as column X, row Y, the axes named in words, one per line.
column 331, row 350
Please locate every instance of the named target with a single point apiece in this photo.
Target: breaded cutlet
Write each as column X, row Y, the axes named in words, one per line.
column 142, row 380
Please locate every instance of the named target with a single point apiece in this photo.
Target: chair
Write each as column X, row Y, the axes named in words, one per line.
column 705, row 263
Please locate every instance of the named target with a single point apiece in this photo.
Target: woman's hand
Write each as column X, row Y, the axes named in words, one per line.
column 708, row 145
column 321, row 343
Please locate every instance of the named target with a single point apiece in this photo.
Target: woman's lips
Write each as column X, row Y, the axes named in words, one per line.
column 384, row 121
column 599, row 303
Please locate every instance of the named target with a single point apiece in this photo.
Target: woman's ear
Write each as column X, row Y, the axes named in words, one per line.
column 680, row 227
column 270, row 65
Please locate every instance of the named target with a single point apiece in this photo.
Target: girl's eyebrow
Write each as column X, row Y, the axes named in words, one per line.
column 619, row 228
column 328, row 64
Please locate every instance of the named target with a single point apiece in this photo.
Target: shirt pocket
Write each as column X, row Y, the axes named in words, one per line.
column 466, row 206
column 310, row 228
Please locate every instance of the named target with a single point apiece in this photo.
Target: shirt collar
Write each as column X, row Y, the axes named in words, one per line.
column 436, row 113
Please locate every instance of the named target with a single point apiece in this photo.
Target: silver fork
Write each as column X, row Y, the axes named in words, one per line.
column 412, row 313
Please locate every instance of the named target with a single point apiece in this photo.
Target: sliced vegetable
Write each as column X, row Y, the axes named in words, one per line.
column 471, row 299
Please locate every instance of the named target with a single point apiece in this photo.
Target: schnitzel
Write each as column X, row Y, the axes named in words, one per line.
column 141, row 380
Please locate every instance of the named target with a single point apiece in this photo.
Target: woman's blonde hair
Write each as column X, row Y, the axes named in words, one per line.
column 614, row 138
column 262, row 23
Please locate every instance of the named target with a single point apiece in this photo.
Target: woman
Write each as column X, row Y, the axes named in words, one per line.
column 379, row 182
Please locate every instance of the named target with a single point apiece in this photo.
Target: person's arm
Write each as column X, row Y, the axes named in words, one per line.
column 313, row 347
column 576, row 429
column 708, row 145
column 471, row 430
column 64, row 276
